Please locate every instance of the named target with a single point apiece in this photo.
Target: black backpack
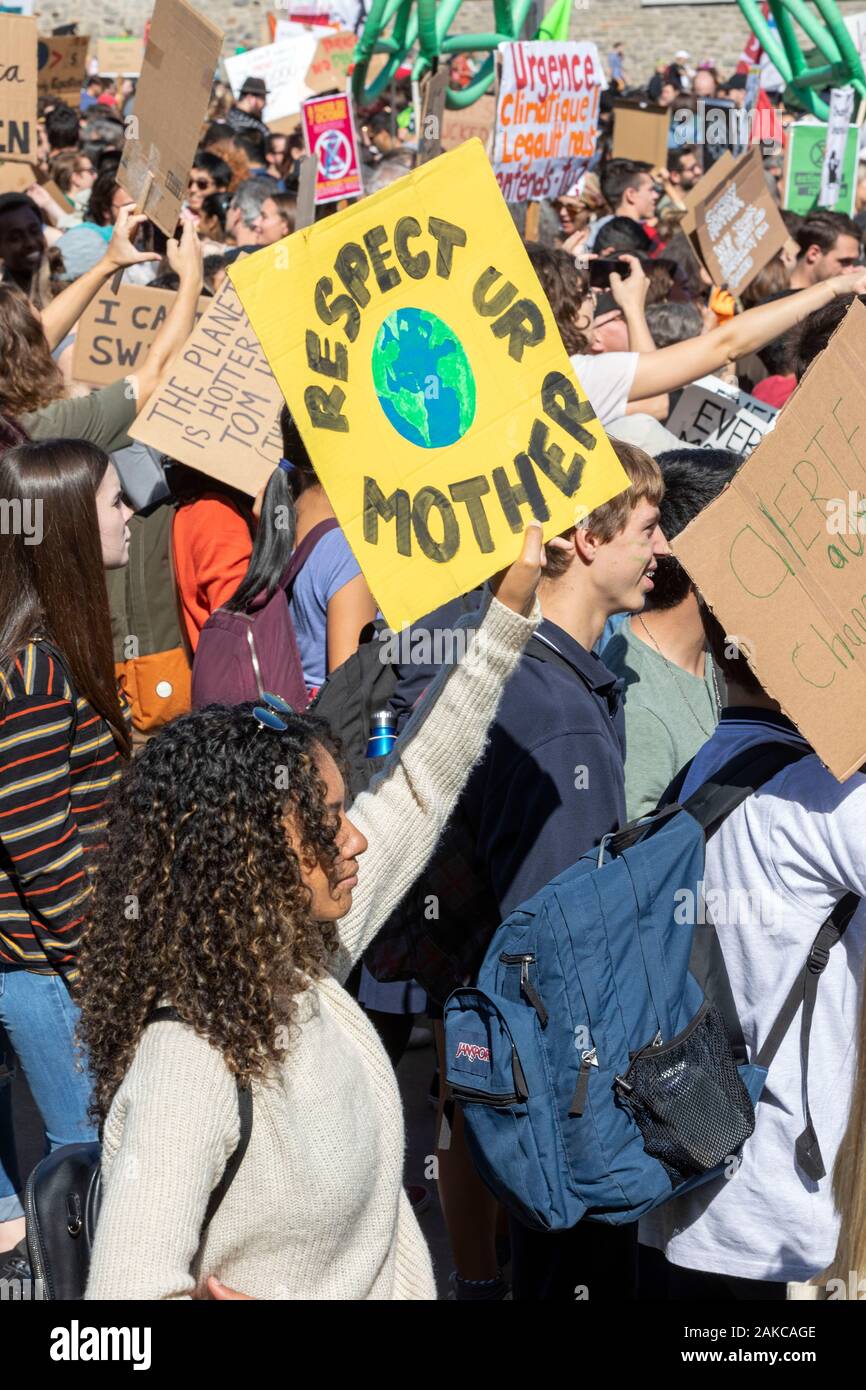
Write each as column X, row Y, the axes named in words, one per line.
column 364, row 683
column 63, row 1195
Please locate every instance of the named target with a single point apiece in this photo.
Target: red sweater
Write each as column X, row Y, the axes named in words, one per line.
column 211, row 545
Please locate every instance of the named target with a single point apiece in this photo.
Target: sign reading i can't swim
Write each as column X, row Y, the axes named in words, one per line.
column 422, row 363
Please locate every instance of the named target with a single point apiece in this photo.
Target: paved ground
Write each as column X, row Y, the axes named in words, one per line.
column 414, row 1074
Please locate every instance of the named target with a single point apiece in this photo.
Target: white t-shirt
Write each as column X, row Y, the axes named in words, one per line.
column 607, row 379
column 793, row 849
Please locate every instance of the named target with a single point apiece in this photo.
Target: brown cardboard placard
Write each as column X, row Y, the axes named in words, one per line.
column 475, row 122
column 640, row 131
column 121, row 57
column 702, row 190
column 780, row 556
column 16, row 178
column 18, row 35
column 170, row 108
column 62, row 66
column 738, row 227
column 305, row 212
column 285, row 125
column 115, row 332
column 433, row 89
column 329, row 70
column 217, row 407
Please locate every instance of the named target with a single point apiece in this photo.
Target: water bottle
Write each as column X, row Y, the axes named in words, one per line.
column 383, row 733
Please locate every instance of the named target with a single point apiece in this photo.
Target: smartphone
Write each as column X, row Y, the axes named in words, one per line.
column 600, row 271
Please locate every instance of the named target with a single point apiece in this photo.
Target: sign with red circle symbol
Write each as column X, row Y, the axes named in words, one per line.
column 330, row 135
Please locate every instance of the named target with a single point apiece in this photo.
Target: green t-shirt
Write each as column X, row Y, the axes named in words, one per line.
column 102, row 418
column 669, row 715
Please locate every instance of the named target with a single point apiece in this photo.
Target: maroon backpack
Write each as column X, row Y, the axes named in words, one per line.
column 241, row 655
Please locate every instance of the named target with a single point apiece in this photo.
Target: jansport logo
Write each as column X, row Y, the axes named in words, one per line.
column 474, row 1051
column 77, row 1343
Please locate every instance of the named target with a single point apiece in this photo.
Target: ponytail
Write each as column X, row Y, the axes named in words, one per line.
column 278, row 524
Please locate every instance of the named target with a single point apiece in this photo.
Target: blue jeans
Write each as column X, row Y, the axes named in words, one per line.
column 39, row 1018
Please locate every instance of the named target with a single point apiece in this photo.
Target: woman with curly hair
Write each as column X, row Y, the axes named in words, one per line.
column 63, row 737
column 236, row 889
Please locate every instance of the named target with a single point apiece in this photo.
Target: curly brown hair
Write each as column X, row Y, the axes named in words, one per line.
column 198, row 897
column 29, row 376
column 567, row 289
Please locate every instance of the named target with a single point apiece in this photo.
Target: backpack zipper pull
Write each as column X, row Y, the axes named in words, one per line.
column 531, row 994
column 578, row 1101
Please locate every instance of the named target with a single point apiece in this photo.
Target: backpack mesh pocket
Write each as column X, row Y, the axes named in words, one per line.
column 688, row 1099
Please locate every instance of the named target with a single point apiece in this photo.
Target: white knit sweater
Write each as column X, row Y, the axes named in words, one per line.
column 317, row 1209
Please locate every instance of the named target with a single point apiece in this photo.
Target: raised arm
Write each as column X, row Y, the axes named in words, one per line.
column 405, row 810
column 66, row 309
column 185, row 257
column 682, row 363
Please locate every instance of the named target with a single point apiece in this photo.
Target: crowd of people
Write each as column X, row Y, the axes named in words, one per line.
column 220, row 861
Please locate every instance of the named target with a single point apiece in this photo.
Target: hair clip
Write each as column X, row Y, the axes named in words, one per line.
column 286, row 465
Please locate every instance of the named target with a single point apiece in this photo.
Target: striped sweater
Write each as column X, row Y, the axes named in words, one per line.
column 52, row 812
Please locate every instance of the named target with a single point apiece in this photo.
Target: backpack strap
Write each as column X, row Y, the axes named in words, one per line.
column 804, row 991
column 709, row 805
column 245, row 1110
column 742, row 775
column 302, row 552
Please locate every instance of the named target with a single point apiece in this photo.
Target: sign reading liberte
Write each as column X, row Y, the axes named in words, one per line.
column 423, row 366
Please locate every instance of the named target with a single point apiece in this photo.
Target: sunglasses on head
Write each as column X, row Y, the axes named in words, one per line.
column 268, row 713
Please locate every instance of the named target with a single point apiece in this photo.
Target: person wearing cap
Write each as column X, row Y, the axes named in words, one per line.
column 245, row 116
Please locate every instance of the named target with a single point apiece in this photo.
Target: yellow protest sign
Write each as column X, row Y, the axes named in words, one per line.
column 420, row 358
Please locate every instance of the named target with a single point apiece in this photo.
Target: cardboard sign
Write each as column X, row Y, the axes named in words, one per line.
column 423, row 366
column 804, row 161
column 17, row 88
column 641, row 131
column 284, row 66
column 171, row 104
column 546, row 117
column 331, row 62
column 737, row 227
column 780, row 556
column 116, row 331
column 119, row 57
column 475, row 122
column 217, row 407
column 714, row 415
column 62, row 66
column 330, row 135
column 16, row 178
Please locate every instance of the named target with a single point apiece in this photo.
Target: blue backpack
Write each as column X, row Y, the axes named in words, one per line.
column 599, row 1062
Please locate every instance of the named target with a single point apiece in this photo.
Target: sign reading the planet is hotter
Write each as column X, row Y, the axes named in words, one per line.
column 419, row 356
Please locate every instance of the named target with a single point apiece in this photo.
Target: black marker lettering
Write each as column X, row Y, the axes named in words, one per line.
column 320, row 359
column 416, row 265
column 386, row 276
column 489, row 308
column 523, row 325
column 325, row 408
column 561, row 403
column 353, row 269
column 447, row 237
column 376, row 505
column 471, row 491
column 342, row 307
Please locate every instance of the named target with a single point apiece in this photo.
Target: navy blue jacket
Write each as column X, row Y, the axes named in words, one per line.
column 551, row 783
